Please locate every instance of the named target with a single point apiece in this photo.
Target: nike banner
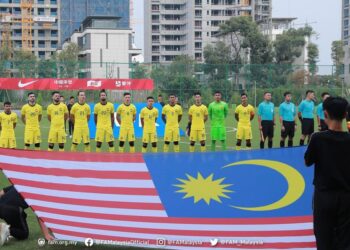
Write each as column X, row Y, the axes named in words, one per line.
column 75, row 84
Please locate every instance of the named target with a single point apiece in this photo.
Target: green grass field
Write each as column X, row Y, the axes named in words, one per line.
column 35, row 232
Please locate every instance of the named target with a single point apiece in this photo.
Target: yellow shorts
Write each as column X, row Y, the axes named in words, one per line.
column 57, row 136
column 81, row 134
column 197, row 135
column 103, row 134
column 149, row 137
column 32, row 136
column 172, row 134
column 8, row 142
column 244, row 132
column 126, row 134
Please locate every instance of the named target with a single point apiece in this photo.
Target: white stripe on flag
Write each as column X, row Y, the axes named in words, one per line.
column 279, row 239
column 80, row 181
column 104, row 166
column 89, row 196
column 184, row 227
column 91, row 209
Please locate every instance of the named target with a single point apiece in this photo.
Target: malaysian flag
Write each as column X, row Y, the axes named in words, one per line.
column 250, row 199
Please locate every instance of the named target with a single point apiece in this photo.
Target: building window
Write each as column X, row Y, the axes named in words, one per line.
column 346, row 2
column 346, row 12
column 41, row 44
column 41, row 11
column 41, row 54
column 54, row 44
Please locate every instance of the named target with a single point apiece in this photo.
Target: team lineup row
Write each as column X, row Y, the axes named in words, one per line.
column 79, row 115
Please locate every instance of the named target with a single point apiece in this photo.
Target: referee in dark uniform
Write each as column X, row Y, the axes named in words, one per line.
column 306, row 116
column 330, row 152
column 266, row 119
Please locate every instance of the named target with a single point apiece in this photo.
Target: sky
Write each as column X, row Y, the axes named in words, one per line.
column 323, row 15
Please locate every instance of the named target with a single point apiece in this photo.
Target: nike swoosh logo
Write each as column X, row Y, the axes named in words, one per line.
column 22, row 85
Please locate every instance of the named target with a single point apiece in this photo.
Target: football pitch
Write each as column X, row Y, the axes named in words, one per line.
column 35, row 232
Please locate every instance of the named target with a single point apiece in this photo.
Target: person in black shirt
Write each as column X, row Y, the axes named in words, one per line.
column 330, row 152
column 70, row 123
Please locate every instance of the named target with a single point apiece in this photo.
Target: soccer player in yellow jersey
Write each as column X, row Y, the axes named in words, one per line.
column 8, row 121
column 57, row 114
column 171, row 115
column 80, row 116
column 149, row 117
column 31, row 115
column 244, row 113
column 197, row 115
column 104, row 120
column 126, row 115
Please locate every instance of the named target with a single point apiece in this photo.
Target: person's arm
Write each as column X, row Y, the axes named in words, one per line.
column 252, row 114
column 179, row 118
column 259, row 116
column 210, row 112
column 273, row 115
column 40, row 116
column 300, row 109
column 45, row 230
column 142, row 119
column 311, row 151
column 119, row 119
column 95, row 119
column 318, row 115
column 23, row 118
column 237, row 117
column 14, row 125
column 226, row 110
column 280, row 109
column 164, row 118
column 205, row 118
column 112, row 120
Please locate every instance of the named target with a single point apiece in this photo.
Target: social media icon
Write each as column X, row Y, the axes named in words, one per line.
column 161, row 242
column 214, row 242
column 41, row 242
column 89, row 242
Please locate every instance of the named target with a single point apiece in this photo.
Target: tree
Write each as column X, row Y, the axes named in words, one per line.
column 24, row 64
column 178, row 78
column 248, row 45
column 245, row 36
column 68, row 61
column 312, row 57
column 338, row 57
column 289, row 45
column 139, row 71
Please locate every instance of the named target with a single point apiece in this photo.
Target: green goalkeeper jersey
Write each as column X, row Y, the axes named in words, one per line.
column 217, row 113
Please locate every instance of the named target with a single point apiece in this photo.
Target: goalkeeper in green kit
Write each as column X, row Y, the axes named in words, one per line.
column 218, row 111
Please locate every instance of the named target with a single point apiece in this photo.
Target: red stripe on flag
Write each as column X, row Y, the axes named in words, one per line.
column 95, row 203
column 183, row 232
column 277, row 245
column 75, row 156
column 200, row 221
column 85, row 189
column 78, row 173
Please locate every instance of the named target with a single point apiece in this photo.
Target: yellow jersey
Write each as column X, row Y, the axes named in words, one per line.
column 57, row 112
column 172, row 114
column 126, row 113
column 103, row 113
column 80, row 112
column 198, row 113
column 7, row 121
column 31, row 114
column 149, row 119
column 244, row 113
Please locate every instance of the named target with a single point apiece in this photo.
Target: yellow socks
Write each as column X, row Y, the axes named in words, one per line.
column 74, row 148
column 121, row 149
column 144, row 150
column 191, row 148
column 132, row 149
column 166, row 148
column 61, row 149
column 154, row 149
column 203, row 149
column 111, row 149
column 50, row 150
column 98, row 150
column 177, row 148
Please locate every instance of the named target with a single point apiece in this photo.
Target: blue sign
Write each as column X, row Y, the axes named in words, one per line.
column 244, row 184
column 137, row 124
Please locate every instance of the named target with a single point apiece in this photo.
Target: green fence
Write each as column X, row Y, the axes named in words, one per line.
column 185, row 78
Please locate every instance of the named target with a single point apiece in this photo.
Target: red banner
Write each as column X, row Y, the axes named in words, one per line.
column 75, row 84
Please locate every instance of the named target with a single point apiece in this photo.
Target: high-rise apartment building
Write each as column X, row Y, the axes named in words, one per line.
column 45, row 27
column 346, row 39
column 180, row 27
column 74, row 12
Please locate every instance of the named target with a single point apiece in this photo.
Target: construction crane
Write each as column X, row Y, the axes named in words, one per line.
column 6, row 42
column 27, row 24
